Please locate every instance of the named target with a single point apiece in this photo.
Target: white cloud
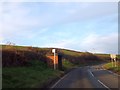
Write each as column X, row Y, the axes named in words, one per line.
column 92, row 43
column 16, row 22
column 16, row 16
column 107, row 44
column 72, row 11
column 90, row 11
column 60, row 44
column 60, row 0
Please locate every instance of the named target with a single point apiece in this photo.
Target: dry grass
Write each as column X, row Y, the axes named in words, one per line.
column 114, row 69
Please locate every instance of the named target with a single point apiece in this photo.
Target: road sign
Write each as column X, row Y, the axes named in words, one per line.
column 113, row 59
column 53, row 50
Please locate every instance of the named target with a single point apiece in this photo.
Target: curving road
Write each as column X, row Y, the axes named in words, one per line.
column 88, row 77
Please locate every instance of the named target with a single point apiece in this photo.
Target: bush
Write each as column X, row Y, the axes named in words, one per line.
column 83, row 58
column 20, row 57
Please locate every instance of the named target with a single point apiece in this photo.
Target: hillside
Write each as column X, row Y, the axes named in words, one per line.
column 27, row 67
column 21, row 55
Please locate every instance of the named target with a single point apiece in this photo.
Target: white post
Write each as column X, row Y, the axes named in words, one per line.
column 115, row 62
column 53, row 50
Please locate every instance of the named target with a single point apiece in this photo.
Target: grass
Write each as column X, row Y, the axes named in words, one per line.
column 68, row 65
column 70, row 52
column 114, row 69
column 28, row 77
column 33, row 76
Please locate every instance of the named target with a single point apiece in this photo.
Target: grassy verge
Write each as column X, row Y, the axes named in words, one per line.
column 33, row 76
column 114, row 69
column 68, row 65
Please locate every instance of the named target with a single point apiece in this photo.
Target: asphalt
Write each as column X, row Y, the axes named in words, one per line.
column 93, row 77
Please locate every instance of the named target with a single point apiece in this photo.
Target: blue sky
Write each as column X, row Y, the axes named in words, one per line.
column 81, row 26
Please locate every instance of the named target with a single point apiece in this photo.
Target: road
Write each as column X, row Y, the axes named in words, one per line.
column 88, row 77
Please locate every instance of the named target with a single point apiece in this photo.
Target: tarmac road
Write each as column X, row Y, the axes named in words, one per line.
column 88, row 77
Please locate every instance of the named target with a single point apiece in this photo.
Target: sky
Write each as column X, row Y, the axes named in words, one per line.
column 80, row 26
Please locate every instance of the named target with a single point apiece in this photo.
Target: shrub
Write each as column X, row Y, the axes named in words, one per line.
column 14, row 56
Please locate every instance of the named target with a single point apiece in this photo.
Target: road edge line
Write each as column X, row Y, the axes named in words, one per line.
column 99, row 81
column 59, row 80
column 113, row 73
column 91, row 73
column 103, row 84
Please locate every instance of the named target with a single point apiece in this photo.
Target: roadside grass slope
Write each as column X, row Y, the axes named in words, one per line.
column 116, row 69
column 34, row 76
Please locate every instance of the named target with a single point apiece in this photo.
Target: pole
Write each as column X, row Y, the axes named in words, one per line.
column 54, row 62
column 115, row 62
column 53, row 51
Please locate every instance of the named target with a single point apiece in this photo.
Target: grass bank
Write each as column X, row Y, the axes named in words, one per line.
column 36, row 75
column 33, row 76
column 68, row 65
column 109, row 66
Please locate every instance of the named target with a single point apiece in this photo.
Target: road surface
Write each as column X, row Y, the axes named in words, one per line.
column 88, row 77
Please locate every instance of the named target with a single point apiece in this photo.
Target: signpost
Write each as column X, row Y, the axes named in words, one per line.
column 53, row 51
column 113, row 59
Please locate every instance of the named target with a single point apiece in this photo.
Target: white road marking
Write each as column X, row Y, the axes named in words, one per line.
column 59, row 80
column 110, row 71
column 91, row 73
column 104, row 84
column 116, row 75
column 100, row 81
column 113, row 73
